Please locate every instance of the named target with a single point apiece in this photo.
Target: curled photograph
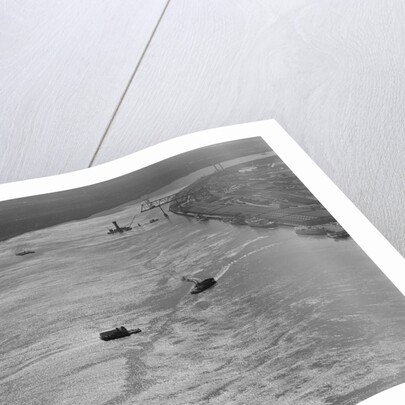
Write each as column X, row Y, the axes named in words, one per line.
column 212, row 277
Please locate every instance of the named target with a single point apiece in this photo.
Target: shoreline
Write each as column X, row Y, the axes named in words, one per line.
column 265, row 195
column 332, row 226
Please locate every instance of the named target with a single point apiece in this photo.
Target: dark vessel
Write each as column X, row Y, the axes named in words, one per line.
column 338, row 235
column 200, row 286
column 118, row 229
column 153, row 220
column 118, row 333
column 25, row 252
column 203, row 285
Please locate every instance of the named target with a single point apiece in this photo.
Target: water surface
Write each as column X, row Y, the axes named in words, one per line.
column 293, row 319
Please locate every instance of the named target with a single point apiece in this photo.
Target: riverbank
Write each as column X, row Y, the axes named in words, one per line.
column 265, row 192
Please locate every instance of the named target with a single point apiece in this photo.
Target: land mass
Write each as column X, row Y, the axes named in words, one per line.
column 266, row 190
column 37, row 212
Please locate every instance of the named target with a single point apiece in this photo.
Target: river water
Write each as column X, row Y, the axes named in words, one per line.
column 293, row 319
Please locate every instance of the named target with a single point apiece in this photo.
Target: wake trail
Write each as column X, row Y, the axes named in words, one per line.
column 191, row 279
column 238, row 249
column 225, row 269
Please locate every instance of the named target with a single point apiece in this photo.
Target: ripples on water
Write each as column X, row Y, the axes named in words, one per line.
column 291, row 320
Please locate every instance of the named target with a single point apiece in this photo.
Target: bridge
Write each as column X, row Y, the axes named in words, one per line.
column 148, row 205
column 180, row 197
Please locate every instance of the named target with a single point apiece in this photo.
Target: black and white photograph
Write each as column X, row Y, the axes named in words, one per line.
column 211, row 277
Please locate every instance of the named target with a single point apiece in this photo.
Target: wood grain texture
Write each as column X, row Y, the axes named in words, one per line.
column 63, row 68
column 330, row 72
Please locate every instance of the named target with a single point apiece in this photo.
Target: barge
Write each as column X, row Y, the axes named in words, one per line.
column 203, row 285
column 118, row 333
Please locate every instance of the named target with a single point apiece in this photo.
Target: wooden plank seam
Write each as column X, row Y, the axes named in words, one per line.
column 128, row 85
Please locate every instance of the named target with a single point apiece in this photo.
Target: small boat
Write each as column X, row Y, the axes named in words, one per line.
column 338, row 235
column 118, row 229
column 153, row 220
column 199, row 285
column 118, row 333
column 25, row 252
column 203, row 285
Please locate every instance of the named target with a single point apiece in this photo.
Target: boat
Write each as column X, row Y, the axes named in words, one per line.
column 203, row 285
column 257, row 222
column 25, row 252
column 338, row 235
column 310, row 230
column 118, row 229
column 118, row 333
column 153, row 220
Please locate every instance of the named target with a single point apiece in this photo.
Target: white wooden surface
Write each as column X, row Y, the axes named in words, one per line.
column 330, row 72
column 63, row 68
